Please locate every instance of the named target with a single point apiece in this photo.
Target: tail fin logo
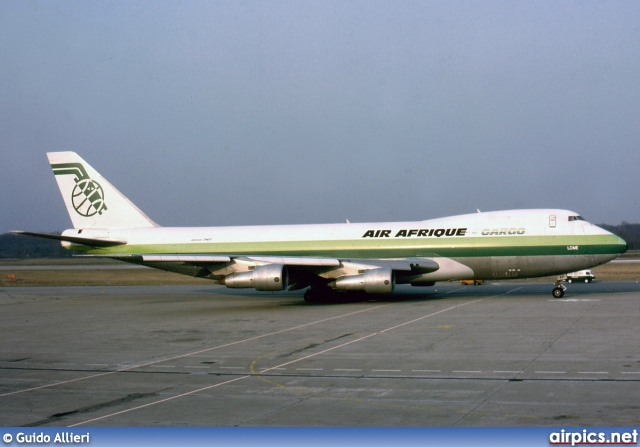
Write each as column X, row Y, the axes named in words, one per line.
column 87, row 196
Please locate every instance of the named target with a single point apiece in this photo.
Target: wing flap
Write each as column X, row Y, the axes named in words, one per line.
column 414, row 265
column 189, row 259
column 295, row 261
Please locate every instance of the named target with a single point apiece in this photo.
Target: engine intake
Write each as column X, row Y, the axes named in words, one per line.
column 379, row 280
column 270, row 277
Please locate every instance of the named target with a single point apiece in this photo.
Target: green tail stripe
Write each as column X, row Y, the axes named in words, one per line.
column 70, row 168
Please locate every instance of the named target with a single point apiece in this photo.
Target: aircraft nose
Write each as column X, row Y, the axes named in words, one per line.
column 622, row 245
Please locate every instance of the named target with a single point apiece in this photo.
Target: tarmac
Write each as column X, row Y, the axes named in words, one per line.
column 499, row 354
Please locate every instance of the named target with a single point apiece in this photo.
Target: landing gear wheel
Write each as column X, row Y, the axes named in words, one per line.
column 558, row 292
column 320, row 294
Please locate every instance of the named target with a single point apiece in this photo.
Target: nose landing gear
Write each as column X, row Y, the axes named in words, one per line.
column 558, row 291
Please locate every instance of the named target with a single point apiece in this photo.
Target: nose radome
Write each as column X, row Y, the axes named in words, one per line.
column 623, row 245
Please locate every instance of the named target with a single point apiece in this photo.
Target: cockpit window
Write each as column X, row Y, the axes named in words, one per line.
column 572, row 218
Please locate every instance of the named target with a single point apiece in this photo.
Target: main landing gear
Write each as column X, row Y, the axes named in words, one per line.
column 320, row 295
column 558, row 291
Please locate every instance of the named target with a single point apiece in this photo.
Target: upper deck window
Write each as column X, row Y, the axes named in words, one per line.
column 572, row 218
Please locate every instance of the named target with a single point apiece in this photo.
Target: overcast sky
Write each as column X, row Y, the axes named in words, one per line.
column 277, row 112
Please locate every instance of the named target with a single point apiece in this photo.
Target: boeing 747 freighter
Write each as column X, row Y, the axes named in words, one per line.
column 330, row 258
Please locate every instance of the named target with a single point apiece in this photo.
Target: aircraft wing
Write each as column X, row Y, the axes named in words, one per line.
column 419, row 265
column 424, row 265
column 302, row 271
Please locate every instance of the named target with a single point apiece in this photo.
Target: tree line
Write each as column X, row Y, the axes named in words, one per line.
column 13, row 246
column 20, row 247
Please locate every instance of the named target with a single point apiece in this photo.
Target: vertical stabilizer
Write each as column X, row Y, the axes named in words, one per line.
column 93, row 202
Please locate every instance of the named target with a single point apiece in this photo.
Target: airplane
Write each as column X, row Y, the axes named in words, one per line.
column 328, row 259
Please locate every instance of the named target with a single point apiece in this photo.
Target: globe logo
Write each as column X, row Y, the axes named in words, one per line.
column 88, row 198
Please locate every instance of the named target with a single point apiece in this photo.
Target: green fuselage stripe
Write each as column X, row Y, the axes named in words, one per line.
column 458, row 247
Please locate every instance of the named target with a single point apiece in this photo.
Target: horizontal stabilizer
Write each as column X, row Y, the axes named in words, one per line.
column 75, row 239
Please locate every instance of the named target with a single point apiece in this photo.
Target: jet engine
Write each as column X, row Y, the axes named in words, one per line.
column 378, row 280
column 269, row 277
